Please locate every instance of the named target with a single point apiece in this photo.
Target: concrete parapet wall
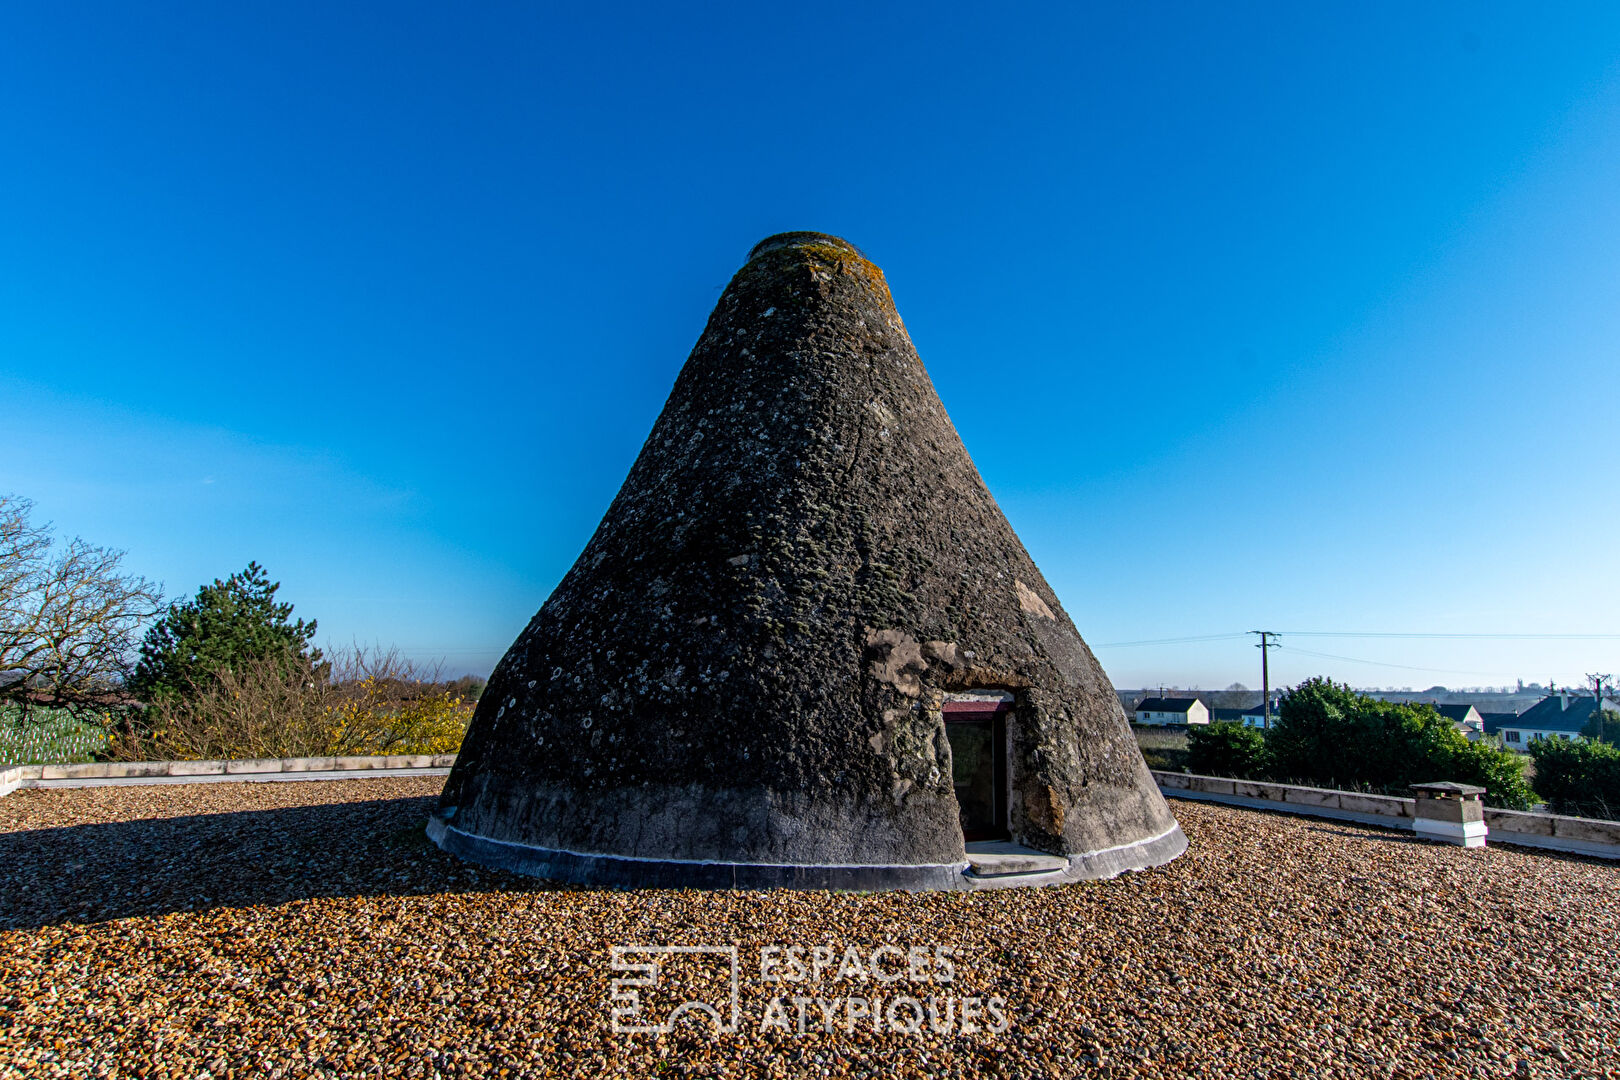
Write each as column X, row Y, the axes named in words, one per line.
column 1581, row 836
column 1389, row 810
column 99, row 773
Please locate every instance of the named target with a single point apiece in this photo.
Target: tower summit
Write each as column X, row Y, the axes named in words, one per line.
column 804, row 647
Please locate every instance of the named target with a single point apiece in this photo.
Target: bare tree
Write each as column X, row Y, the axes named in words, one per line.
column 68, row 617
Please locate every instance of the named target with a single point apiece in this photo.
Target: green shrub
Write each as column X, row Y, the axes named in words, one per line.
column 1330, row 735
column 1227, row 748
column 1500, row 772
column 1578, row 777
column 1161, row 749
column 230, row 624
column 1603, row 727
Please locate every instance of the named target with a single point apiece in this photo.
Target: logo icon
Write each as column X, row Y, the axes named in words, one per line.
column 644, row 993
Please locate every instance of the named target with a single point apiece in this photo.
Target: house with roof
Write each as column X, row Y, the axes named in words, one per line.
column 1465, row 718
column 1255, row 716
column 1557, row 716
column 1163, row 711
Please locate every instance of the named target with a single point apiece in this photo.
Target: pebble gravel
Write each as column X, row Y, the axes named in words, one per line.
column 307, row 929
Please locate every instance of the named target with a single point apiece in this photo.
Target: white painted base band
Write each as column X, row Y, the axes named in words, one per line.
column 622, row 871
column 1465, row 833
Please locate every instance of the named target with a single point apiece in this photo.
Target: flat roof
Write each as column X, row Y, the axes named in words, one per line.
column 309, row 927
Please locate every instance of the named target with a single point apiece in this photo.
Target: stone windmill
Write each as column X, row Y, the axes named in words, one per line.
column 804, row 646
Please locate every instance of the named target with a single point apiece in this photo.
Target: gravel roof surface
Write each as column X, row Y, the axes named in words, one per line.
column 297, row 929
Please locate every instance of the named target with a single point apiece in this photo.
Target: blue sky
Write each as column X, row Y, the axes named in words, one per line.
column 1291, row 316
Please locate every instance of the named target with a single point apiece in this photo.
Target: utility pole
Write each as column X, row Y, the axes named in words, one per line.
column 1597, row 682
column 1265, row 647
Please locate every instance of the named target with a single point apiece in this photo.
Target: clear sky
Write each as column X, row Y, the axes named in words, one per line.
column 1293, row 316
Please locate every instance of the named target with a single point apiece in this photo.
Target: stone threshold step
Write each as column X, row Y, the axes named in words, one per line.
column 1002, row 858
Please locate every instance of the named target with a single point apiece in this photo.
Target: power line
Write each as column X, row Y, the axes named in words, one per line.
column 1360, row 634
column 1382, row 663
column 1497, row 637
column 1169, row 641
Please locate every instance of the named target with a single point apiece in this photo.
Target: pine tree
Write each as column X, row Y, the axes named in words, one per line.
column 227, row 623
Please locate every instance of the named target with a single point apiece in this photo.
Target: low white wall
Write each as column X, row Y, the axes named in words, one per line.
column 1555, row 832
column 172, row 772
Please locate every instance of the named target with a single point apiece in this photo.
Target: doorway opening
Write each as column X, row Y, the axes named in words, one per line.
column 976, row 728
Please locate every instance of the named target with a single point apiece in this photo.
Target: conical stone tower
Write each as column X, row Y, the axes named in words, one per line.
column 804, row 647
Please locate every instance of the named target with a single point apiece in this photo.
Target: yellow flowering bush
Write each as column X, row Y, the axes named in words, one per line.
column 378, row 719
column 358, row 703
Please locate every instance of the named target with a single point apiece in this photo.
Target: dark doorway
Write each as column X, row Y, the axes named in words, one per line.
column 977, row 732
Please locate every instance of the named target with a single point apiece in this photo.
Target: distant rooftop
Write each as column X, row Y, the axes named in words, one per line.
column 1559, row 712
column 1166, row 704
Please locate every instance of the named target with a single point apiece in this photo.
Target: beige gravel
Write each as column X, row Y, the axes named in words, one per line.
column 299, row 929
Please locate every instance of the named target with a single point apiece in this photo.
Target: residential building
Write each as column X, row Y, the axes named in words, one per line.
column 1255, row 716
column 1467, row 719
column 1557, row 716
column 1163, row 711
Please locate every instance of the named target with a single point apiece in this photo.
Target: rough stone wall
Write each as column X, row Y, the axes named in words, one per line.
column 747, row 661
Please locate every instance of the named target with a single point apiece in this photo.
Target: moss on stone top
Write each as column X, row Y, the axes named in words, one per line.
column 800, row 239
column 823, row 253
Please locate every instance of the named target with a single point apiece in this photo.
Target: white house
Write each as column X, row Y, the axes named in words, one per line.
column 1558, row 716
column 1162, row 711
column 1465, row 718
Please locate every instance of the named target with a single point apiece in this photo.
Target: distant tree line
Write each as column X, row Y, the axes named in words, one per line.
column 1331, row 736
column 228, row 673
column 1328, row 735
